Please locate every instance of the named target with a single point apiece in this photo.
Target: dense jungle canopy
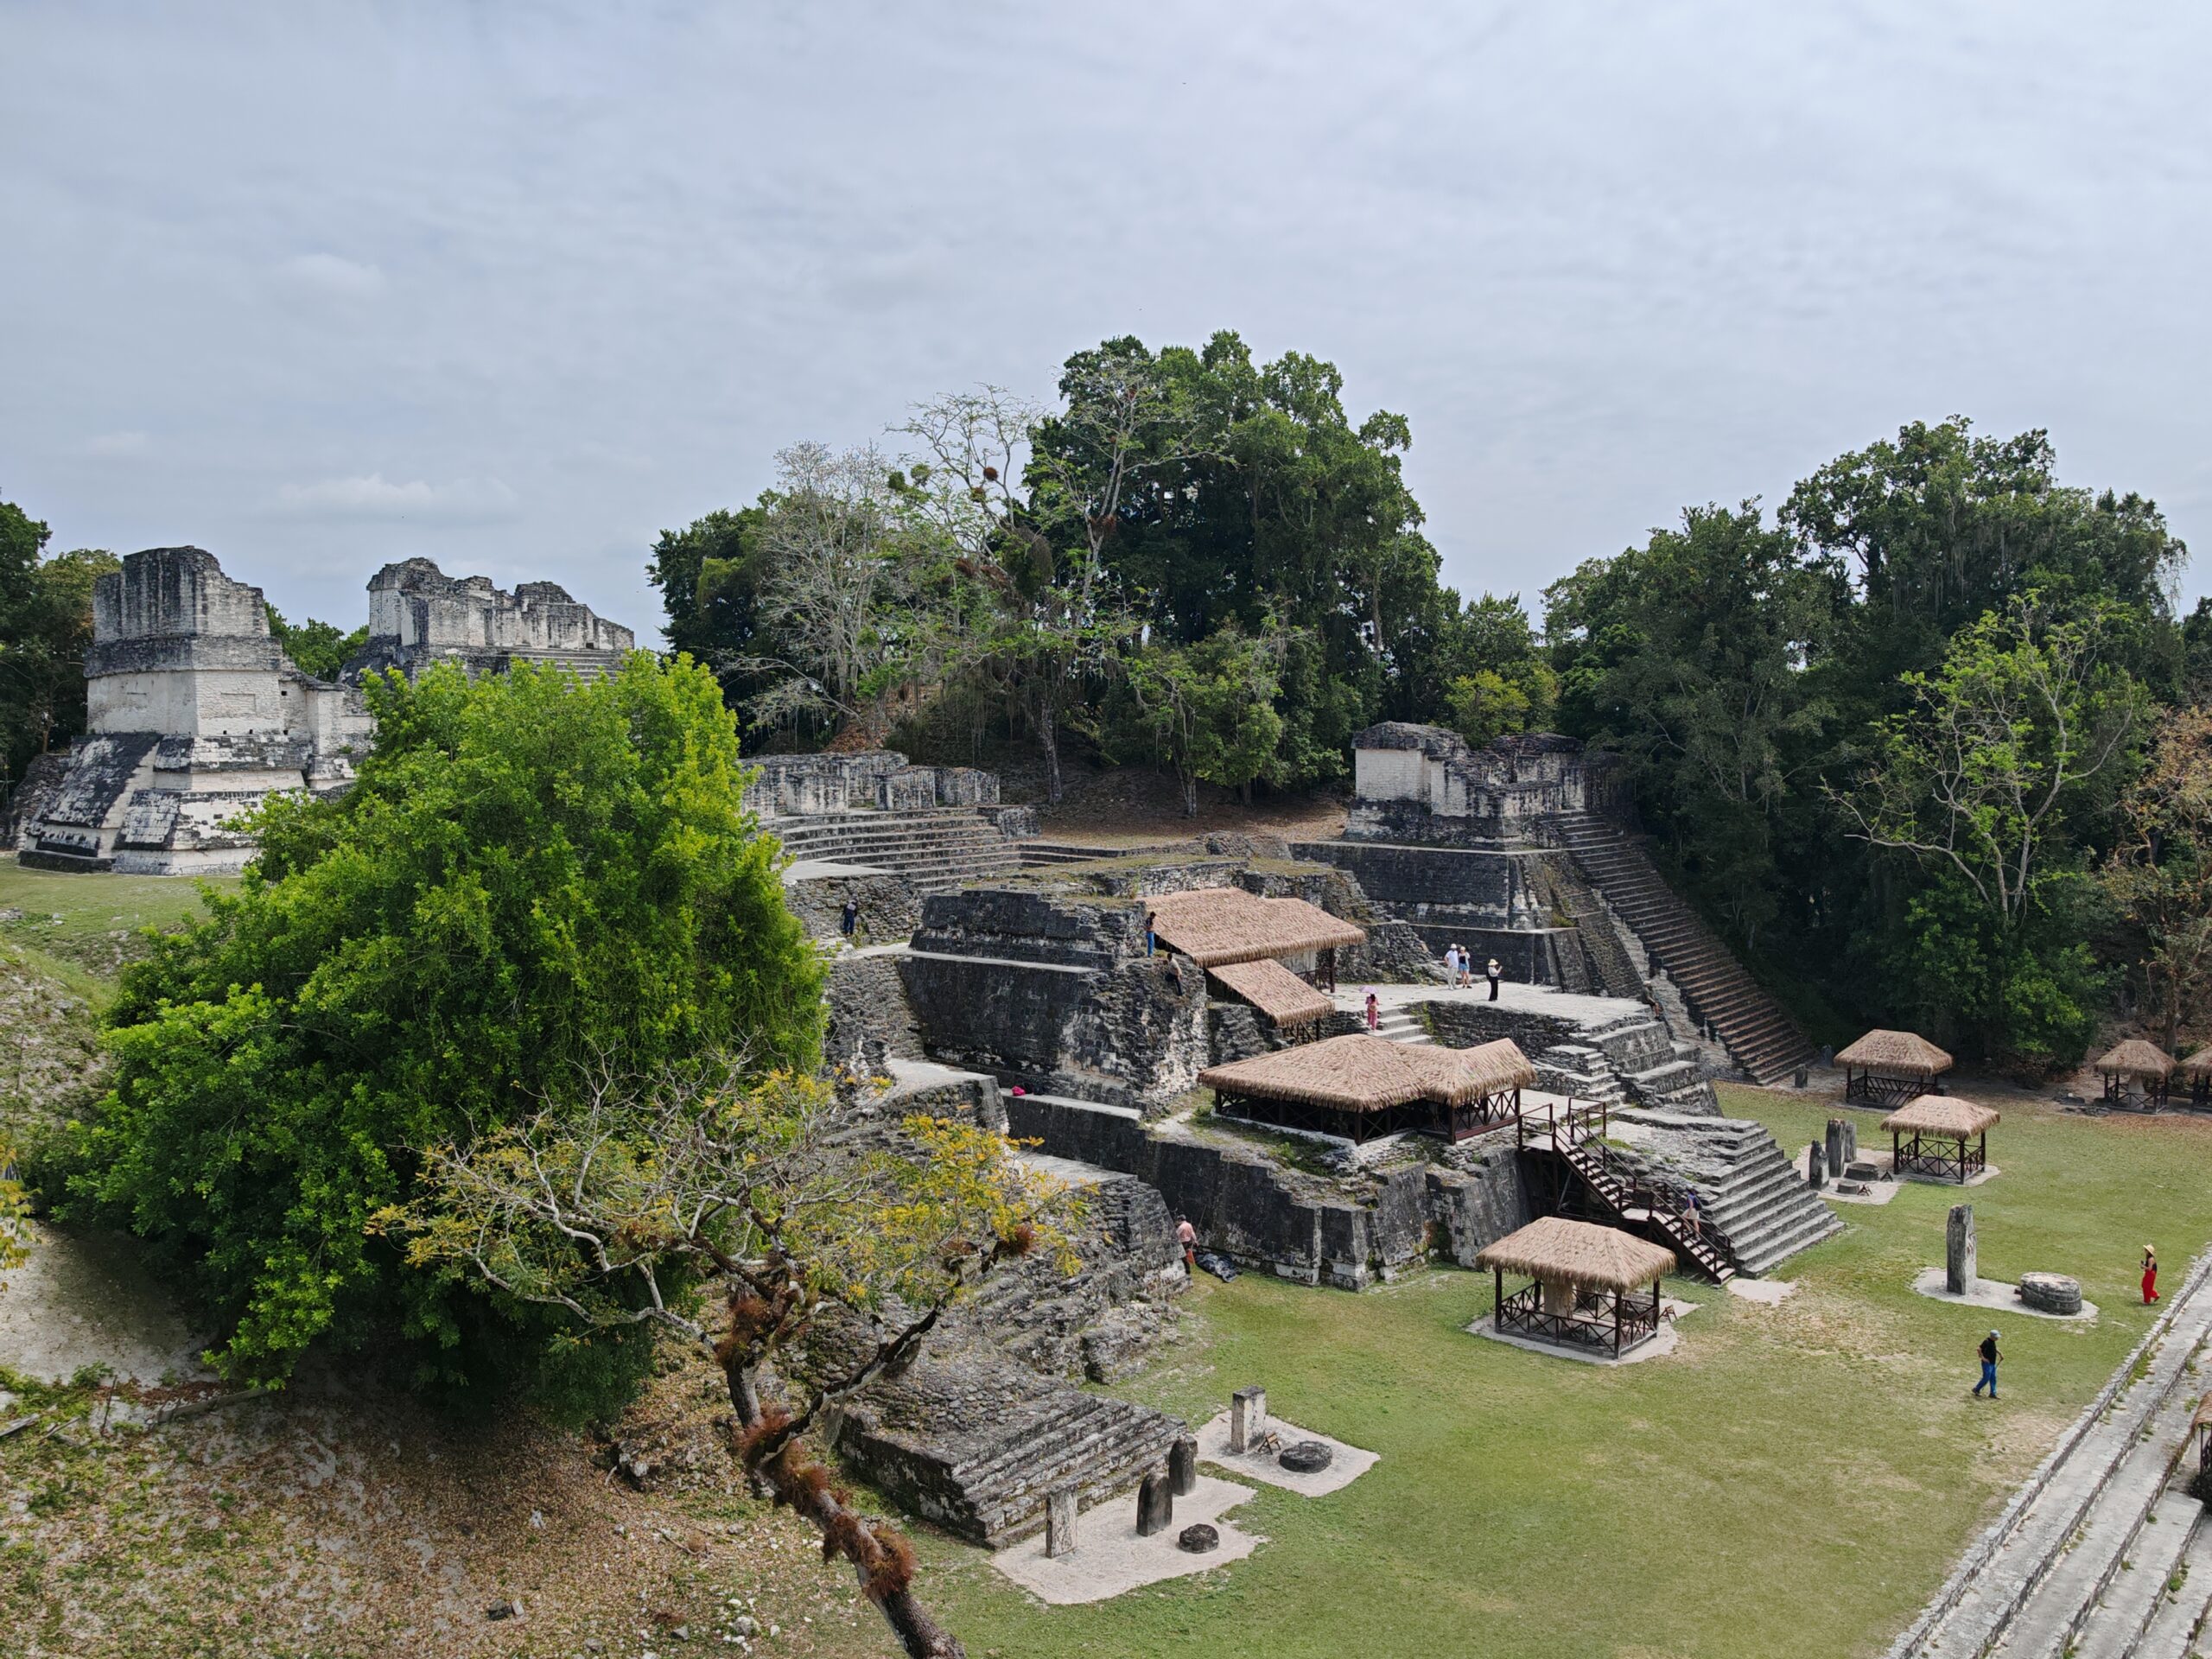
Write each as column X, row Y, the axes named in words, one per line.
column 1918, row 742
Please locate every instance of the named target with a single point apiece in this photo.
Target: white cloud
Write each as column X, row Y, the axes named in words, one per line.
column 465, row 500
column 328, row 274
column 117, row 443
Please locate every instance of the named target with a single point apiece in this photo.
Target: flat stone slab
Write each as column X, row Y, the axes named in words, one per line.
column 1347, row 1464
column 1110, row 1559
column 1879, row 1192
column 84, row 1299
column 1999, row 1295
column 1769, row 1292
column 819, row 869
column 1657, row 1347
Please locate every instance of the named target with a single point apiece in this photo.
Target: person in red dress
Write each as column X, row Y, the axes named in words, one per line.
column 2149, row 1275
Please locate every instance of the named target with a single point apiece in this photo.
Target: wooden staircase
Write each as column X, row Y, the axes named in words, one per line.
column 1576, row 1134
column 1759, row 1036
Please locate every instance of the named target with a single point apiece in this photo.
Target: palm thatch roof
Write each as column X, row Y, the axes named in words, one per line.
column 1273, row 990
column 2136, row 1058
column 1215, row 926
column 1945, row 1115
column 2199, row 1064
column 1556, row 1250
column 1360, row 1073
column 1896, row 1050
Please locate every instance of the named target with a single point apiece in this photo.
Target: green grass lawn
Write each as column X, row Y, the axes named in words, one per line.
column 1792, row 1479
column 81, row 926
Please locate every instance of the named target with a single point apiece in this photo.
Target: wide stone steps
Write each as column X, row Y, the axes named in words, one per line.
column 2114, row 1627
column 2175, row 1626
column 1041, row 853
column 932, row 851
column 1759, row 1036
column 1397, row 1026
column 2053, row 1575
column 1588, row 1162
column 1748, row 1191
column 1097, row 1446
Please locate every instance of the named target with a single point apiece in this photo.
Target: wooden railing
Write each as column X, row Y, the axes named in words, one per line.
column 1618, row 1324
column 1576, row 1134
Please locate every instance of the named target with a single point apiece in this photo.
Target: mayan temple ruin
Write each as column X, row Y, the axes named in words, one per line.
column 195, row 713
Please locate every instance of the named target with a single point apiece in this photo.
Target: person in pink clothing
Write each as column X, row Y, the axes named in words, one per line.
column 1374, row 1012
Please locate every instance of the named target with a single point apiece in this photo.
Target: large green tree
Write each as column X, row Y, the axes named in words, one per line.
column 46, row 626
column 536, row 883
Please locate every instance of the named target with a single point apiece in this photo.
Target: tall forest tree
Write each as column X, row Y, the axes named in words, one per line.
column 46, row 628
column 2158, row 876
column 531, row 878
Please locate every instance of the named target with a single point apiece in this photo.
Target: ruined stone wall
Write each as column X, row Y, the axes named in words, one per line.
column 869, row 1020
column 1054, row 991
column 1347, row 1232
column 1482, row 898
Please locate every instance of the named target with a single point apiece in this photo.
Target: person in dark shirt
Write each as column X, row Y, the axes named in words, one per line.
column 1989, row 1356
column 1494, row 973
column 849, row 919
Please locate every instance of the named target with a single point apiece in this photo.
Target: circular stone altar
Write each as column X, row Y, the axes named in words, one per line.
column 1198, row 1538
column 2051, row 1292
column 1306, row 1458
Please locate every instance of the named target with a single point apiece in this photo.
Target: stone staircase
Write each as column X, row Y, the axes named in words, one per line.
column 1748, row 1190
column 932, row 851
column 1042, row 855
column 1399, row 1026
column 1760, row 1037
column 1098, row 1446
column 2099, row 1556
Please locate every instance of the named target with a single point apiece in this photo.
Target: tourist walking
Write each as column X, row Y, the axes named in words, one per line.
column 1690, row 1215
column 1989, row 1356
column 849, row 919
column 1150, row 937
column 1452, row 964
column 2149, row 1275
column 1374, row 1012
column 1187, row 1236
column 1495, row 973
column 1466, row 967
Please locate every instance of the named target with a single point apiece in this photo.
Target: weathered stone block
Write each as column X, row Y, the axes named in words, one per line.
column 1155, row 1505
column 1959, row 1261
column 1183, row 1465
column 1060, row 1522
column 1247, row 1417
column 1816, row 1166
column 2051, row 1292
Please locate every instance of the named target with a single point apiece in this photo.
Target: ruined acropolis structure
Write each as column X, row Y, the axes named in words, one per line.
column 419, row 615
column 196, row 715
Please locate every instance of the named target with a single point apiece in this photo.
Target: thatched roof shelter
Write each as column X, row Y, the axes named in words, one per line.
column 1942, row 1116
column 2136, row 1058
column 1360, row 1073
column 1553, row 1250
column 1273, row 990
column 1896, row 1050
column 2198, row 1064
column 1218, row 925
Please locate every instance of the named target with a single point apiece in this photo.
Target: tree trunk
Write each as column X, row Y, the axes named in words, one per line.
column 1190, row 794
column 881, row 1559
column 1048, row 738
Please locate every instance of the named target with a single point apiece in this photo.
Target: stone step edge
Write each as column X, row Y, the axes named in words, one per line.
column 1993, row 1537
column 2158, row 1561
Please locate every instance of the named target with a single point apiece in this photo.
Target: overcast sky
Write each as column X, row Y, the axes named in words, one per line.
column 515, row 286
